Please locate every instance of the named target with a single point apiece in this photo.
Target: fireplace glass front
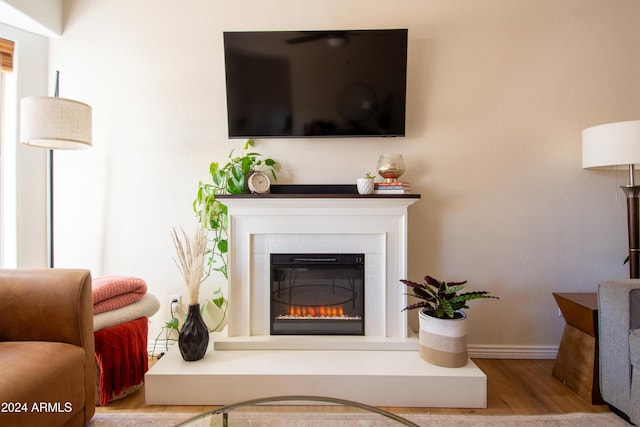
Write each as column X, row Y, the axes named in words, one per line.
column 317, row 294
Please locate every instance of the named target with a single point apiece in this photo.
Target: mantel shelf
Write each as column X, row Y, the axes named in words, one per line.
column 316, row 191
column 317, row 196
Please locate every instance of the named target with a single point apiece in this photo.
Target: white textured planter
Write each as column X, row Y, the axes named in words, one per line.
column 365, row 185
column 443, row 342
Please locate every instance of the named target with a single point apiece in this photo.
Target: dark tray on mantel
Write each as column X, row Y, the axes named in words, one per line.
column 314, row 189
column 317, row 191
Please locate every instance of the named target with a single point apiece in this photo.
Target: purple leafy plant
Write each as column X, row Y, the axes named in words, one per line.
column 441, row 299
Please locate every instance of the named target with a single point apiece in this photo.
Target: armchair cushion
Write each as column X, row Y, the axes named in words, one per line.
column 49, row 362
column 47, row 346
column 634, row 348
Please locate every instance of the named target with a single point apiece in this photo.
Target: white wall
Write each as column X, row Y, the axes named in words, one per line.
column 498, row 94
column 24, row 168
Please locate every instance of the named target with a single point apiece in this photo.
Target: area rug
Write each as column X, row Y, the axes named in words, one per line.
column 351, row 419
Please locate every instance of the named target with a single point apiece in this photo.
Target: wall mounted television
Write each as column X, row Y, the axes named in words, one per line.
column 302, row 84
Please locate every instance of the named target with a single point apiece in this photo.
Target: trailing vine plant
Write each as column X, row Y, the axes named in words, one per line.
column 230, row 178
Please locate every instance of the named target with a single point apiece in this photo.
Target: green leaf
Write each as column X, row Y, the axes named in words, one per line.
column 453, row 289
column 237, row 172
column 222, row 269
column 447, row 308
column 246, row 164
column 218, row 299
column 213, row 168
column 236, row 187
column 172, row 324
column 476, row 295
column 219, row 302
column 217, row 178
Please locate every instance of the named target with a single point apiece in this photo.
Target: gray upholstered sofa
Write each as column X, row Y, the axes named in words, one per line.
column 619, row 345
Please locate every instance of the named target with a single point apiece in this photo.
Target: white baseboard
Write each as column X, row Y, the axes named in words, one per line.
column 512, row 351
column 478, row 351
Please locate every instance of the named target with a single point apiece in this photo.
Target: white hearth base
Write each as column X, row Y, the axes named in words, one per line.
column 377, row 378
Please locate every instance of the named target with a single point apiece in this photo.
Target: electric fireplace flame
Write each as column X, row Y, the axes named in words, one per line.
column 317, row 294
column 317, row 312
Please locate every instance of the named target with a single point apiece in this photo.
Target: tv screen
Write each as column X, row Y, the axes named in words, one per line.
column 316, row 83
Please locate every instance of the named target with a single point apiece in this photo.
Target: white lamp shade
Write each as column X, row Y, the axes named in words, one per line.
column 611, row 145
column 55, row 123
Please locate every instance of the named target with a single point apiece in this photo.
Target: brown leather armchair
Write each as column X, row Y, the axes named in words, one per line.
column 47, row 366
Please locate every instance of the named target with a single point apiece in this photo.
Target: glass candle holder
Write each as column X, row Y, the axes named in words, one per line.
column 390, row 167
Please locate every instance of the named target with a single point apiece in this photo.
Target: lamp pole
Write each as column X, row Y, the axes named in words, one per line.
column 56, row 94
column 632, row 192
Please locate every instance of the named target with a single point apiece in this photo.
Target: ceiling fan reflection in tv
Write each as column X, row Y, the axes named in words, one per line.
column 333, row 38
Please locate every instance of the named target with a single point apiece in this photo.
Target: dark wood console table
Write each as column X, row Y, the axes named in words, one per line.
column 576, row 364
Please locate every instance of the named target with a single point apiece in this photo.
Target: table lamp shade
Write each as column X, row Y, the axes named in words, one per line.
column 55, row 123
column 610, row 145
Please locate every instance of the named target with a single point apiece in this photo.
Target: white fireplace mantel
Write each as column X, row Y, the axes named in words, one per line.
column 260, row 225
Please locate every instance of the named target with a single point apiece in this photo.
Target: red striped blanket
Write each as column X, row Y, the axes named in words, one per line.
column 113, row 292
column 121, row 355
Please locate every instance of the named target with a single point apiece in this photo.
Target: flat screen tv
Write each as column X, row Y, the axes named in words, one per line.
column 316, row 83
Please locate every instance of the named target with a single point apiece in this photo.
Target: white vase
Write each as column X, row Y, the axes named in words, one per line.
column 443, row 342
column 365, row 185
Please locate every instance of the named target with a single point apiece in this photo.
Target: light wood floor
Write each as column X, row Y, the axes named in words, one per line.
column 514, row 387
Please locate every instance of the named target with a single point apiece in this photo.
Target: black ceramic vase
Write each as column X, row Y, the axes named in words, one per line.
column 193, row 338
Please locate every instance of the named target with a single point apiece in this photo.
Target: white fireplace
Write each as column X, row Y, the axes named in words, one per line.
column 375, row 227
column 247, row 362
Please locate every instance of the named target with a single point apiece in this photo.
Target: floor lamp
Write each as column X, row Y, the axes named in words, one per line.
column 54, row 123
column 611, row 145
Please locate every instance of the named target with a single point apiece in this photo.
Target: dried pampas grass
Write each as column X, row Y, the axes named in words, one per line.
column 191, row 258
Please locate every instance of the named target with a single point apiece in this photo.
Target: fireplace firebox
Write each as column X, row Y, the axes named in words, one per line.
column 317, row 294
